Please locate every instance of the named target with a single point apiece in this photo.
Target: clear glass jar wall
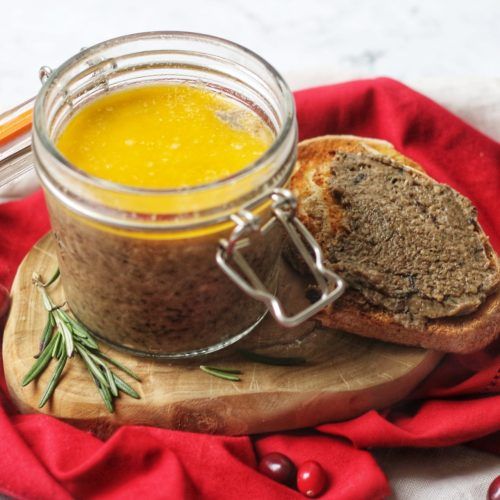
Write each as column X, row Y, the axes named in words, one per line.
column 146, row 279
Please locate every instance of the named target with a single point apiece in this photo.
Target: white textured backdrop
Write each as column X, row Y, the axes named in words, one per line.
column 406, row 39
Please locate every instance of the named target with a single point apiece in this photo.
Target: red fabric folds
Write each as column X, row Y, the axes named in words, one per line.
column 459, row 402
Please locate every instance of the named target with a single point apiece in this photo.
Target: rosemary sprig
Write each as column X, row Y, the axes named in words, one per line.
column 271, row 360
column 46, row 334
column 124, row 387
column 54, row 380
column 52, row 279
column 232, row 374
column 121, row 367
column 41, row 363
column 225, row 373
column 62, row 337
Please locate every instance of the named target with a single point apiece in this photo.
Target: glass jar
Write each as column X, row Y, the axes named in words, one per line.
column 172, row 272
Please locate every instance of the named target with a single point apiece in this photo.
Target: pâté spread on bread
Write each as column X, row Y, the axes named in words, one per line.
column 408, row 244
column 420, row 269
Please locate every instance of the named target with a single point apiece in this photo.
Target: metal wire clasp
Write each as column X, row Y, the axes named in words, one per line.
column 284, row 208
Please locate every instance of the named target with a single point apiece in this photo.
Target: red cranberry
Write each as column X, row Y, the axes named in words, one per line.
column 311, row 479
column 278, row 467
column 494, row 489
column 4, row 305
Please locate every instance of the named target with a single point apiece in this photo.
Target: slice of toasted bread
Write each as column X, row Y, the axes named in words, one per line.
column 320, row 213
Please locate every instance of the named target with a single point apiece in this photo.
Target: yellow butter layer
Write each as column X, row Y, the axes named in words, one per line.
column 164, row 136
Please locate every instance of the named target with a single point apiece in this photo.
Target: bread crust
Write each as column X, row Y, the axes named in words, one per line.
column 323, row 217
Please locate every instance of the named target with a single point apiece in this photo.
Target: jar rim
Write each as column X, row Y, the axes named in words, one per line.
column 41, row 129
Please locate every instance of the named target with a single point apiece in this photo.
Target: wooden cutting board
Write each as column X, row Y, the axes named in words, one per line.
column 344, row 376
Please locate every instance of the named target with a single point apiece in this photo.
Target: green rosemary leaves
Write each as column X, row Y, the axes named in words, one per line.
column 62, row 337
column 224, row 373
column 232, row 374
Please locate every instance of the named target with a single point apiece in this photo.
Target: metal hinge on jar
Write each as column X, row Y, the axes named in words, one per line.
column 284, row 208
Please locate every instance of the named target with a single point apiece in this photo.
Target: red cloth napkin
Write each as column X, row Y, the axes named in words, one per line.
column 44, row 458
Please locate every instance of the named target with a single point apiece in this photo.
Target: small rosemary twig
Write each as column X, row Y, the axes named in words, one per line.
column 64, row 335
column 54, row 277
column 225, row 373
column 46, row 334
column 232, row 374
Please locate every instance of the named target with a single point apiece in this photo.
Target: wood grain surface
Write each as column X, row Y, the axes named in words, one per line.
column 344, row 376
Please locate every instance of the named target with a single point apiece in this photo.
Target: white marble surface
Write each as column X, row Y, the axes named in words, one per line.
column 448, row 49
column 406, row 39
